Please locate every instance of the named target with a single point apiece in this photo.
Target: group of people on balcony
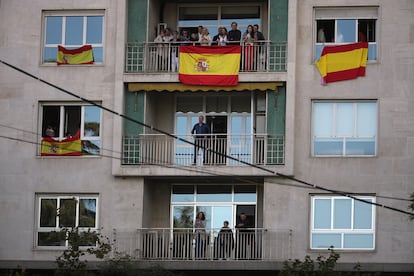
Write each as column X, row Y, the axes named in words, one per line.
column 225, row 242
column 202, row 37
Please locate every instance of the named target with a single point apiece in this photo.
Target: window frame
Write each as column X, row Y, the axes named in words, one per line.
column 344, row 138
column 64, row 15
column 345, row 13
column 343, row 231
column 61, row 131
column 57, row 227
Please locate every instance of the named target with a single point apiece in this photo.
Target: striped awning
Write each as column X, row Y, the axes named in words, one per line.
column 179, row 87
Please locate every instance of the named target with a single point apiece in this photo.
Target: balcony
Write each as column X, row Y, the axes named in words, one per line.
column 151, row 57
column 185, row 244
column 216, row 149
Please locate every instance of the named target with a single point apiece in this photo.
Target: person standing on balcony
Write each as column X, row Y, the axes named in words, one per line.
column 248, row 41
column 200, row 235
column 225, row 241
column 259, row 37
column 234, row 35
column 201, row 133
column 244, row 237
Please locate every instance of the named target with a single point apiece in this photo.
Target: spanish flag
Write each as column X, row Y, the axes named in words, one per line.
column 210, row 65
column 82, row 55
column 71, row 146
column 343, row 62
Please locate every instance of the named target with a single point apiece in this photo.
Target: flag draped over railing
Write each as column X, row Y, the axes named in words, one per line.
column 71, row 146
column 209, row 65
column 82, row 55
column 343, row 62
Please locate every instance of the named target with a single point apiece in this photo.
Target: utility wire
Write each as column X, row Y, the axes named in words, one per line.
column 207, row 149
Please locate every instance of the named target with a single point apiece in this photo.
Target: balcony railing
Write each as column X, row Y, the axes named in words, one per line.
column 152, row 57
column 216, row 149
column 186, row 244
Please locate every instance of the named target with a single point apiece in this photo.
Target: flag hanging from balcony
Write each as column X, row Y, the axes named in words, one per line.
column 209, row 65
column 82, row 55
column 70, row 146
column 343, row 62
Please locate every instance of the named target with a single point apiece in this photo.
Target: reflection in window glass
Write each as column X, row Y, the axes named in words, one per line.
column 74, row 30
column 93, row 31
column 53, row 30
column 183, row 216
column 184, row 193
column 214, row 193
column 244, row 193
column 48, row 212
column 67, row 212
column 87, row 212
column 342, row 213
column 92, row 121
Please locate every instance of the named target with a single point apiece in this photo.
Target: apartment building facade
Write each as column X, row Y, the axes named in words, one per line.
column 311, row 164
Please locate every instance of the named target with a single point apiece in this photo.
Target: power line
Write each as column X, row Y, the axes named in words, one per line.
column 207, row 149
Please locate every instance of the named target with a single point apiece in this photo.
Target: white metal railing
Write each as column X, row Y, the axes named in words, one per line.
column 152, row 57
column 216, row 149
column 187, row 244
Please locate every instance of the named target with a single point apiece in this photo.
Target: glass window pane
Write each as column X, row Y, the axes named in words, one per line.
column 97, row 54
column 360, row 146
column 48, row 212
column 94, row 29
column 54, row 30
column 67, row 213
column 359, row 241
column 372, row 51
column 240, row 104
column 183, row 193
column 342, row 213
column 214, row 193
column 322, row 214
column 244, row 193
column 52, row 238
column 326, row 240
column 322, row 119
column 87, row 212
column 328, row 146
column 346, row 31
column 183, row 216
column 189, row 104
column 318, row 51
column 91, row 147
column 344, row 119
column 362, row 214
column 367, row 119
column 74, row 30
column 50, row 54
column 92, row 121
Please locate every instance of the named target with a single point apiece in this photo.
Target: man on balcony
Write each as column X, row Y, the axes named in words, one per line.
column 201, row 133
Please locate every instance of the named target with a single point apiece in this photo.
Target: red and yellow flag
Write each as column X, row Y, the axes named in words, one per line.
column 343, row 62
column 82, row 55
column 68, row 147
column 210, row 65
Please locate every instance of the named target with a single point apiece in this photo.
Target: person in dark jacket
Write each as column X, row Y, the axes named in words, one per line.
column 201, row 133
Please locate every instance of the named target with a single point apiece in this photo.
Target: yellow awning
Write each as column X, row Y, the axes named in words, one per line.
column 173, row 87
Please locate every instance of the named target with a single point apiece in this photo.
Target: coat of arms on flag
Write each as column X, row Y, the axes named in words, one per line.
column 209, row 65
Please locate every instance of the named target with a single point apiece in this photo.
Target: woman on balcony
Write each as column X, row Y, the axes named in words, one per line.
column 248, row 40
column 200, row 235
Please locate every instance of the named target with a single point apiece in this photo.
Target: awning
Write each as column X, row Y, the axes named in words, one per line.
column 179, row 87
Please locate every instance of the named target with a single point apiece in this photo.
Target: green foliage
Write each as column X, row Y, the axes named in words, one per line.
column 323, row 266
column 71, row 262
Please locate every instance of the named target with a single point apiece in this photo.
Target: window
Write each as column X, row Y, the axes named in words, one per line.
column 344, row 128
column 346, row 25
column 71, row 119
column 218, row 15
column 72, row 31
column 56, row 213
column 343, row 222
